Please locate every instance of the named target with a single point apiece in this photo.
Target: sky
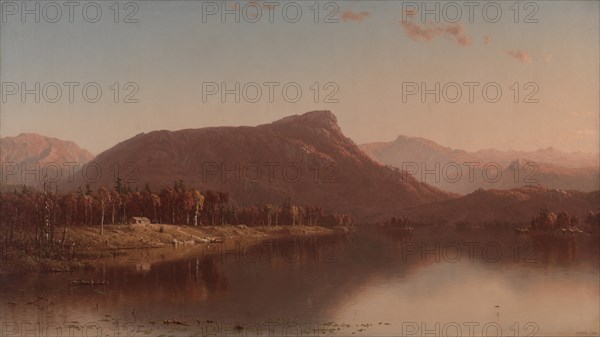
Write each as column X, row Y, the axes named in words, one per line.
column 368, row 62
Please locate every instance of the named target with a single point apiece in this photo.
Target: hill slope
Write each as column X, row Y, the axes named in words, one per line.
column 305, row 157
column 515, row 205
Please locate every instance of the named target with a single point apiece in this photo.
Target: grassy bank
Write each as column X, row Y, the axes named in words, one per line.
column 84, row 246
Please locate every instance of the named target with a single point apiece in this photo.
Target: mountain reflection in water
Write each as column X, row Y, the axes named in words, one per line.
column 370, row 282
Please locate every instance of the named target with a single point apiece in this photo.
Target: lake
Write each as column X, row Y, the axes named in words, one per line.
column 366, row 283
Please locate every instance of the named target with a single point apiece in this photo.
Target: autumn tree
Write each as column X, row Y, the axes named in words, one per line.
column 103, row 196
column 198, row 204
column 168, row 197
column 115, row 203
column 122, row 191
column 593, row 220
column 155, row 204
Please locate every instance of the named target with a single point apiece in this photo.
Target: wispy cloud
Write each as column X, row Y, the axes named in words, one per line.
column 584, row 133
column 354, row 16
column 520, row 56
column 581, row 113
column 428, row 32
column 487, row 39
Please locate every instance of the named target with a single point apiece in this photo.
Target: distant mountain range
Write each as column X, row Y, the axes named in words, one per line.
column 513, row 206
column 549, row 167
column 308, row 158
column 28, row 156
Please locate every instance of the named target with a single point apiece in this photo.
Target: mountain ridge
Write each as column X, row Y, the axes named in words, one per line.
column 515, row 205
column 549, row 167
column 32, row 151
column 306, row 157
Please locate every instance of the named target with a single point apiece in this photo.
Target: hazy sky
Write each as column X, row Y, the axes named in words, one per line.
column 372, row 54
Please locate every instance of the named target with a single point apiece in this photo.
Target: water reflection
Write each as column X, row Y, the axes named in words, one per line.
column 371, row 283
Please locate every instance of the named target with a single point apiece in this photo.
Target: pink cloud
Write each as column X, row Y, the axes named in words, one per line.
column 354, row 16
column 430, row 31
column 580, row 134
column 582, row 113
column 520, row 56
column 487, row 39
column 411, row 13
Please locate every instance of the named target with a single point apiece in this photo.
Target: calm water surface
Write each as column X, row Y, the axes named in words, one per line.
column 368, row 283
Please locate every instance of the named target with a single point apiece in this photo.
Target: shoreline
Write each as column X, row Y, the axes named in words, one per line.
column 85, row 248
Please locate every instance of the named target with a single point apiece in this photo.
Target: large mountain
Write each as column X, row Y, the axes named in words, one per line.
column 28, row 156
column 549, row 167
column 514, row 206
column 305, row 157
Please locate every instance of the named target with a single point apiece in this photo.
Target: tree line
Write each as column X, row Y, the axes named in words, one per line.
column 43, row 211
column 546, row 221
